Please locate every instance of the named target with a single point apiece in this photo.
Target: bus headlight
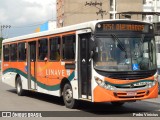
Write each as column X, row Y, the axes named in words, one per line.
column 156, row 77
column 103, row 84
column 151, row 84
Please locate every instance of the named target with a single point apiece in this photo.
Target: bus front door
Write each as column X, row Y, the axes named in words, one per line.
column 31, row 63
column 84, row 66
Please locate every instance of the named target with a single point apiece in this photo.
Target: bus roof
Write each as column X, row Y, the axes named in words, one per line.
column 80, row 26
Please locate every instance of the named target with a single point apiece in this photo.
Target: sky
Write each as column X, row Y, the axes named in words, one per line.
column 25, row 16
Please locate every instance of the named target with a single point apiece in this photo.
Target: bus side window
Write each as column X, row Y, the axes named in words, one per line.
column 68, row 50
column 6, row 52
column 43, row 49
column 21, row 51
column 13, row 52
column 54, row 48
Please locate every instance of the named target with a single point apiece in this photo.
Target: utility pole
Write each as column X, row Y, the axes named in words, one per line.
column 96, row 4
column 2, row 27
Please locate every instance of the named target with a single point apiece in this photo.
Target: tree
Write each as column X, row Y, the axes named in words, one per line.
column 1, row 39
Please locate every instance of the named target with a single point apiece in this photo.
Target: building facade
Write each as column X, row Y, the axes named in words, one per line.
column 151, row 6
column 71, row 12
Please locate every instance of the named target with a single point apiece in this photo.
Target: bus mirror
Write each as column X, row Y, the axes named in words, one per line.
column 92, row 47
column 92, row 44
column 91, row 54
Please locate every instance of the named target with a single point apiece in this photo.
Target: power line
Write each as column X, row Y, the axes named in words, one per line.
column 32, row 25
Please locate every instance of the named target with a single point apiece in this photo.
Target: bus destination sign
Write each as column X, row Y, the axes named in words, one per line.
column 130, row 27
column 123, row 27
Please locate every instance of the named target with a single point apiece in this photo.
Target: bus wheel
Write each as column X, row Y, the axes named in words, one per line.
column 117, row 103
column 68, row 97
column 19, row 88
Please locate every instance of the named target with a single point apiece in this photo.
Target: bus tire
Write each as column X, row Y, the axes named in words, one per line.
column 68, row 99
column 117, row 103
column 19, row 88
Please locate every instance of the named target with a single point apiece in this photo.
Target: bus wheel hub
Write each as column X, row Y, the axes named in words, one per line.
column 68, row 95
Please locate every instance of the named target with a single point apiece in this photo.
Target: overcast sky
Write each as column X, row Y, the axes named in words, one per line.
column 25, row 16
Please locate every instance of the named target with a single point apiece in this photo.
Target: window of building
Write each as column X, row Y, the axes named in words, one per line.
column 144, row 17
column 13, row 52
column 128, row 16
column 22, row 51
column 111, row 16
column 6, row 52
column 111, row 5
column 158, row 48
column 43, row 49
column 111, row 2
column 115, row 5
column 55, row 48
column 144, row 1
column 69, row 47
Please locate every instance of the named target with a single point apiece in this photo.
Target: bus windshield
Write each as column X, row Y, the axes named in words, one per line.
column 131, row 53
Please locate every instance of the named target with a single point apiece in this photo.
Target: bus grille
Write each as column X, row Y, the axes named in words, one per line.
column 125, row 94
column 130, row 86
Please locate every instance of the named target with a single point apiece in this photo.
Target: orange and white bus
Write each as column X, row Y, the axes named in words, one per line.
column 98, row 61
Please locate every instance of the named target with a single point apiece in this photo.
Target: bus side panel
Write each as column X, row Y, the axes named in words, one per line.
column 7, row 74
column 20, row 69
column 50, row 75
column 46, row 83
column 11, row 70
column 24, row 82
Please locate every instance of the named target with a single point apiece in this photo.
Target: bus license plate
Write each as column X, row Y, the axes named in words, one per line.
column 131, row 93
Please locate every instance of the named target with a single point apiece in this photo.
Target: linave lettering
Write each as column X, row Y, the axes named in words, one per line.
column 55, row 72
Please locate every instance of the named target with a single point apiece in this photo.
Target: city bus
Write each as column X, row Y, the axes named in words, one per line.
column 98, row 61
column 157, row 39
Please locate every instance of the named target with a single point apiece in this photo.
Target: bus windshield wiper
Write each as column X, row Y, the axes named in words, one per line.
column 120, row 44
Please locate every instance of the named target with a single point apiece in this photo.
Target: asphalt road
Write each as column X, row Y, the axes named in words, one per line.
column 10, row 101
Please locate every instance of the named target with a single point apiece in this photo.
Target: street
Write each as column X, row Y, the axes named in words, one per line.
column 10, row 101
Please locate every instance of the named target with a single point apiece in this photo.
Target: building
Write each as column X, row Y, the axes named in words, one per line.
column 76, row 11
column 151, row 6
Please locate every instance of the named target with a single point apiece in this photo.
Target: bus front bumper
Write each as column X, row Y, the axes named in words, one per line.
column 104, row 95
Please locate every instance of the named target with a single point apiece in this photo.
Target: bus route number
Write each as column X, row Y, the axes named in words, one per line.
column 128, row 27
